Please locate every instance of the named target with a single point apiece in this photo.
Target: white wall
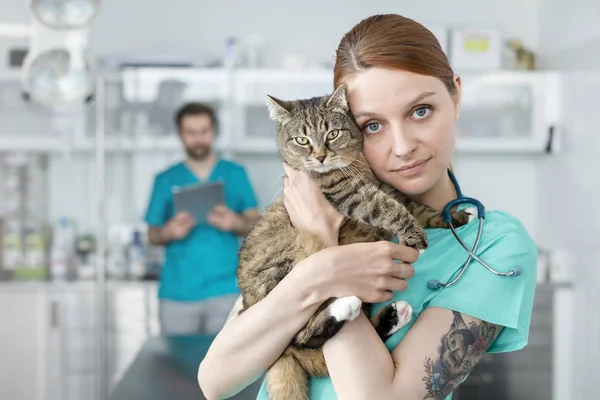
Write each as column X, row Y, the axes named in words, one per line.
column 569, row 185
column 569, row 34
column 310, row 27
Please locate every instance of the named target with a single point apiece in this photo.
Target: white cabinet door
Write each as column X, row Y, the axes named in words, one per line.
column 509, row 112
column 254, row 131
column 29, row 345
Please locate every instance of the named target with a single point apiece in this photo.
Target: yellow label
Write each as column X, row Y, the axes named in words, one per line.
column 476, row 44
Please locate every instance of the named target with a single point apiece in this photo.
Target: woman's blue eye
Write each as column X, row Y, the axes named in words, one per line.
column 421, row 112
column 372, row 127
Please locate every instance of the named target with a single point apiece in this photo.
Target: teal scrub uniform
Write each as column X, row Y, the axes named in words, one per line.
column 505, row 301
column 204, row 264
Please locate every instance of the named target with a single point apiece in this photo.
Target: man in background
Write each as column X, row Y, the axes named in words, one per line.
column 198, row 280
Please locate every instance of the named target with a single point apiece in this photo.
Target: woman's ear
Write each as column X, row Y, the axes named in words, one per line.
column 456, row 97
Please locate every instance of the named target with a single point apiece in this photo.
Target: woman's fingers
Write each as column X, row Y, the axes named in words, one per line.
column 397, row 284
column 399, row 252
column 402, row 270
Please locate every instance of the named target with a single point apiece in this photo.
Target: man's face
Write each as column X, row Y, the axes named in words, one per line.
column 197, row 134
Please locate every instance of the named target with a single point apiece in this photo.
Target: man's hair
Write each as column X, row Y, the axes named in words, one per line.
column 195, row 108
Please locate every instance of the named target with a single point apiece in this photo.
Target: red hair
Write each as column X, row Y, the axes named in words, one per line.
column 394, row 42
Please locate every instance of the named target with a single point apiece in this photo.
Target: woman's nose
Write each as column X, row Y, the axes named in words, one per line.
column 404, row 144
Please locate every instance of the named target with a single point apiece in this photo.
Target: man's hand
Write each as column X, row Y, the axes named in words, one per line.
column 178, row 227
column 225, row 219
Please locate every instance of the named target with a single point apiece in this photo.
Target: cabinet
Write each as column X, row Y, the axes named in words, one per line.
column 501, row 111
column 49, row 331
column 30, row 343
column 509, row 112
column 131, row 317
column 253, row 130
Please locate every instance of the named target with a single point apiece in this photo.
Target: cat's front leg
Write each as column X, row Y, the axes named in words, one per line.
column 327, row 321
column 391, row 318
column 374, row 207
column 427, row 216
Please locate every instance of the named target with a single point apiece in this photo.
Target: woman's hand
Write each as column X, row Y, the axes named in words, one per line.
column 366, row 270
column 308, row 208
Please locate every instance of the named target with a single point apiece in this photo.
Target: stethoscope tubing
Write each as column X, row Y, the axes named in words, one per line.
column 434, row 284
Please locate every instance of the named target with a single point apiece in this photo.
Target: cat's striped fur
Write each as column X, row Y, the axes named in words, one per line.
column 374, row 212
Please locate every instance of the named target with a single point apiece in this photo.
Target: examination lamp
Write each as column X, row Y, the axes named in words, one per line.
column 57, row 72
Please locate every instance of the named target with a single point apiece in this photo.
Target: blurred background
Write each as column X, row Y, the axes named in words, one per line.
column 78, row 289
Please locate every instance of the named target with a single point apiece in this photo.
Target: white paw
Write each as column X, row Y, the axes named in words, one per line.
column 472, row 211
column 345, row 308
column 404, row 313
column 421, row 251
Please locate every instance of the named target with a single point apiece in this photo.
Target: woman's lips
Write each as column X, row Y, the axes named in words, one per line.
column 413, row 169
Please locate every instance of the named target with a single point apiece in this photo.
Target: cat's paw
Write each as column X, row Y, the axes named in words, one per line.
column 415, row 238
column 472, row 211
column 391, row 318
column 345, row 308
column 403, row 314
column 463, row 217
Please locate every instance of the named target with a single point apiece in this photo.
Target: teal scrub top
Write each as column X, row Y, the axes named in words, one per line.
column 505, row 301
column 203, row 264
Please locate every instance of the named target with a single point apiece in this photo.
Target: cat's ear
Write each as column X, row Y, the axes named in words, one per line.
column 458, row 323
column 279, row 110
column 338, row 102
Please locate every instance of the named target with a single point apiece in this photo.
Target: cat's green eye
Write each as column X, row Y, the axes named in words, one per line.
column 301, row 141
column 333, row 134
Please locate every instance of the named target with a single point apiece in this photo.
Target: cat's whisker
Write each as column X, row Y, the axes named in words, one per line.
column 357, row 162
column 277, row 180
column 278, row 192
column 356, row 175
column 342, row 168
column 351, row 176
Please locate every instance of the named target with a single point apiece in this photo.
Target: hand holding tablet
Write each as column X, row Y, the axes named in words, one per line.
column 199, row 200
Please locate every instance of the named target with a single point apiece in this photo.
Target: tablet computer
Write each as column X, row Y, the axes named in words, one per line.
column 198, row 199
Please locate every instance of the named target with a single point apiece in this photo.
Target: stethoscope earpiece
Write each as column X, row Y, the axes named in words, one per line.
column 433, row 284
column 516, row 271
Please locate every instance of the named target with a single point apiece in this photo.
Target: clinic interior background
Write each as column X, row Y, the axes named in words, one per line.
column 555, row 195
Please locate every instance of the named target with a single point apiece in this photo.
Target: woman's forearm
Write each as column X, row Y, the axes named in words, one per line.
column 250, row 343
column 359, row 364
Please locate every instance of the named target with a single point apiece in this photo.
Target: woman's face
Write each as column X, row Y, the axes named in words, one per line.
column 408, row 125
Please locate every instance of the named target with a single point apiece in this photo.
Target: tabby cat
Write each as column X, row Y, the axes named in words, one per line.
column 320, row 137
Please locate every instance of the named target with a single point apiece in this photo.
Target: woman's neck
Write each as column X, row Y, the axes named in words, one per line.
column 439, row 195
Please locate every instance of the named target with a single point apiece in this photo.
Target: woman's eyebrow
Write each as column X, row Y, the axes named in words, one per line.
column 365, row 114
column 410, row 105
column 419, row 98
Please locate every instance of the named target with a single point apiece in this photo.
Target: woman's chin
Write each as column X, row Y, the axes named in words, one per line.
column 411, row 187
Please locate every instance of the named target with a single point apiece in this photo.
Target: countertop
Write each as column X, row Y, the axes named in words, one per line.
column 7, row 286
column 166, row 368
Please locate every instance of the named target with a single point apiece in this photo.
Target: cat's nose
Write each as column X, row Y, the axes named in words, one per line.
column 321, row 158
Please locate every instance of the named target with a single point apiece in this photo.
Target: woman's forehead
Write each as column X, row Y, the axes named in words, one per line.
column 378, row 86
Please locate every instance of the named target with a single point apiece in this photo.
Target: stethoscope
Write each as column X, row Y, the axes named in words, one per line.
column 435, row 284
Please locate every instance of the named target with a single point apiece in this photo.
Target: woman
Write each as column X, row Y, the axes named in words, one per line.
column 406, row 97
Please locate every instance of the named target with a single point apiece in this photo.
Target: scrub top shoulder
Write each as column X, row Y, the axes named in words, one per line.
column 505, row 301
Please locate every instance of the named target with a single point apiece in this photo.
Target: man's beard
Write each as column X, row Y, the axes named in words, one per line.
column 198, row 153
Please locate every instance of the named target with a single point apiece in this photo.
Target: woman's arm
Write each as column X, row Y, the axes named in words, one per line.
column 437, row 353
column 251, row 342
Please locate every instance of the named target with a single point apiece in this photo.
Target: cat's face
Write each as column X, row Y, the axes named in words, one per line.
column 318, row 134
column 457, row 353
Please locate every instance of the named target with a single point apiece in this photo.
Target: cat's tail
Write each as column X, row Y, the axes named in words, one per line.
column 287, row 380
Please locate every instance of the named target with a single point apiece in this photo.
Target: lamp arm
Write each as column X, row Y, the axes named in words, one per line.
column 15, row 30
